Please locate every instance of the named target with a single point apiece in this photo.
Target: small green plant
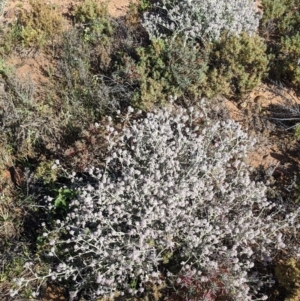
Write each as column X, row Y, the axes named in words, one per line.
column 289, row 58
column 9, row 38
column 188, row 64
column 15, row 267
column 273, row 10
column 89, row 11
column 63, row 197
column 152, row 74
column 46, row 172
column 143, row 5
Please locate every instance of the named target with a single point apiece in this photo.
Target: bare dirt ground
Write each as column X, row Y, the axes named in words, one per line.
column 254, row 114
column 276, row 151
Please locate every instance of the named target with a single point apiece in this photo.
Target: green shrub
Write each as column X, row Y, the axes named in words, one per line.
column 89, row 11
column 94, row 18
column 237, row 65
column 152, row 74
column 188, row 65
column 280, row 27
column 232, row 66
column 4, row 68
column 289, row 59
column 273, row 10
column 162, row 69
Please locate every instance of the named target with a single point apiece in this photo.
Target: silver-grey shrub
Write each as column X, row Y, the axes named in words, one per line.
column 205, row 19
column 175, row 184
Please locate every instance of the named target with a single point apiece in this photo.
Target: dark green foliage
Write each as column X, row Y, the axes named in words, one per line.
column 280, row 27
column 273, row 10
column 89, row 11
column 143, row 5
column 64, row 196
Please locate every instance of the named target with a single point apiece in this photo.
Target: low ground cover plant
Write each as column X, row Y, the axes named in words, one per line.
column 174, row 189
